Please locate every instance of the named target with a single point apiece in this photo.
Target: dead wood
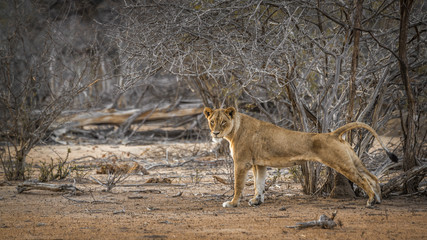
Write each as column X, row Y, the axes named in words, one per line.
column 178, row 194
column 221, row 180
column 4, row 183
column 119, row 211
column 116, row 117
column 154, row 191
column 26, row 186
column 124, row 127
column 397, row 183
column 176, row 121
column 387, row 165
column 323, row 222
column 136, row 197
column 170, row 166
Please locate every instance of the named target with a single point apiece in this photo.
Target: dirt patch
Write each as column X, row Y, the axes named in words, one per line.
column 190, row 206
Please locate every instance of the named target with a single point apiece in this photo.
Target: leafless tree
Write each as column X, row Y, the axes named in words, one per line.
column 409, row 126
column 35, row 86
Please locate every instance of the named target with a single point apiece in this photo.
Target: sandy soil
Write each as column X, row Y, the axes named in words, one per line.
column 189, row 207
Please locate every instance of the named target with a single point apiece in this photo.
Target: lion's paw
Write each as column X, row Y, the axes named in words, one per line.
column 228, row 204
column 370, row 203
column 378, row 198
column 256, row 200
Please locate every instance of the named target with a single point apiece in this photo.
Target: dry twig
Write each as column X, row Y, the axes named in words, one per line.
column 26, row 186
column 323, row 222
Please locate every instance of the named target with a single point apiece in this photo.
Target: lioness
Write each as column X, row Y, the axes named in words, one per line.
column 257, row 144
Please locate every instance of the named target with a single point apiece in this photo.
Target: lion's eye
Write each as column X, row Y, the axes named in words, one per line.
column 223, row 124
column 212, row 122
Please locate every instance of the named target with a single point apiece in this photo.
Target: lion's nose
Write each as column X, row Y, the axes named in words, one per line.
column 215, row 133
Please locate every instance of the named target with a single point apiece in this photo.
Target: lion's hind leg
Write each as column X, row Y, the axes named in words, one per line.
column 369, row 177
column 363, row 178
column 344, row 160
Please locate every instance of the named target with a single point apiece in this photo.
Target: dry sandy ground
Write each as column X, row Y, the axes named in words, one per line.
column 190, row 207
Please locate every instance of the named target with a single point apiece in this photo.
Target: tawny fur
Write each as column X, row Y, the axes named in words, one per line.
column 256, row 144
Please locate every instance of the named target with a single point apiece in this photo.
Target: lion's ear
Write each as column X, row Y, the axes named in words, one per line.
column 231, row 111
column 208, row 112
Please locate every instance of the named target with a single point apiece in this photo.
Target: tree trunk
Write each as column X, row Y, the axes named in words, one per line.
column 354, row 61
column 20, row 165
column 342, row 187
column 409, row 131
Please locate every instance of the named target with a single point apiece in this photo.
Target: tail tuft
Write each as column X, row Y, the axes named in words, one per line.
column 392, row 156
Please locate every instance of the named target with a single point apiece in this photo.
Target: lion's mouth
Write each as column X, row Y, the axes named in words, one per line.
column 216, row 139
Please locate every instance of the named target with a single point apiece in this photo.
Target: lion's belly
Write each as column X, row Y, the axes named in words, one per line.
column 279, row 159
column 284, row 152
column 278, row 162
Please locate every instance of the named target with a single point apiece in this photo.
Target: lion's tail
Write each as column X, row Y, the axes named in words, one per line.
column 340, row 131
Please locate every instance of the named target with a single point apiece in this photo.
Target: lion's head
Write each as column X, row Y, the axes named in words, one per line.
column 221, row 121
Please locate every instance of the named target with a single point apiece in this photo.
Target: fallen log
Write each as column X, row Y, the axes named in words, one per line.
column 397, row 183
column 147, row 120
column 115, row 117
column 27, row 186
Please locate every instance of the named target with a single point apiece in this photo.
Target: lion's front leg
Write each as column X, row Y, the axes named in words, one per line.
column 240, row 173
column 260, row 173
